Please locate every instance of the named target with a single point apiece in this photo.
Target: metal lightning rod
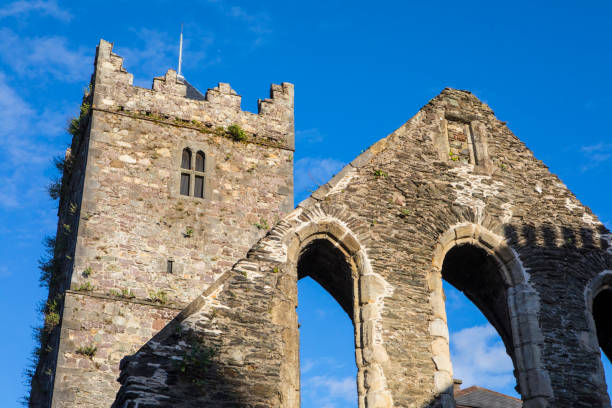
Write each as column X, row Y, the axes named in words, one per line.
column 180, row 54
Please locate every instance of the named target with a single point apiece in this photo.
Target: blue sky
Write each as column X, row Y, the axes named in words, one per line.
column 361, row 69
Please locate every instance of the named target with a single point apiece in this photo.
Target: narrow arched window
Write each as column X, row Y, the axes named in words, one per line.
column 200, row 161
column 193, row 178
column 186, row 177
column 186, row 160
column 198, row 190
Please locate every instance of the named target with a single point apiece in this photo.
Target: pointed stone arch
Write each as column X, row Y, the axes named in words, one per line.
column 598, row 290
column 297, row 237
column 522, row 335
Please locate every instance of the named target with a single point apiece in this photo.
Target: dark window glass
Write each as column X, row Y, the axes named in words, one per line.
column 200, row 160
column 199, row 187
column 185, row 184
column 186, row 160
column 169, row 266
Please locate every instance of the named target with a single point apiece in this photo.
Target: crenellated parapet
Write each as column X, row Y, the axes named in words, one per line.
column 174, row 98
column 224, row 95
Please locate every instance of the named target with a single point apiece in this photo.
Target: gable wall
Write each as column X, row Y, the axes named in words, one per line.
column 412, row 193
column 402, row 205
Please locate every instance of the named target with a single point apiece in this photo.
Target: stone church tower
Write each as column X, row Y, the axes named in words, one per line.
column 163, row 200
column 181, row 253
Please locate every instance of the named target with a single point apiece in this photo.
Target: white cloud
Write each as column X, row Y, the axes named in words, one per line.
column 309, row 135
column 327, row 363
column 157, row 51
column 24, row 153
column 25, row 7
column 307, row 365
column 479, row 358
column 13, row 110
column 312, row 172
column 257, row 23
column 596, row 154
column 44, row 57
column 327, row 391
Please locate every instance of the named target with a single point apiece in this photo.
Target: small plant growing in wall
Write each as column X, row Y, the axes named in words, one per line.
column 237, row 133
column 380, row 173
column 52, row 317
column 262, row 224
column 158, row 296
column 404, row 212
column 86, row 272
column 55, row 189
column 88, row 351
column 453, row 156
column 124, row 293
column 84, row 287
column 188, row 232
column 196, row 361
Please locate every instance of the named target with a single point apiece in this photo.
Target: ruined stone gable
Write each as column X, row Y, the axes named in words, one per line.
column 452, row 195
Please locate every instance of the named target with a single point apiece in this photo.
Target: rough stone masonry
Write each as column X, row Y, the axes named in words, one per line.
column 184, row 250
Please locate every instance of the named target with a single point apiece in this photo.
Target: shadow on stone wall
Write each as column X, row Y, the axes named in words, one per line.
column 561, row 262
column 244, row 370
column 548, row 236
column 233, row 325
column 154, row 376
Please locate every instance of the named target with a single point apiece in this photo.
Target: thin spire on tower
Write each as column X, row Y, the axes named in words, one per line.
column 179, row 75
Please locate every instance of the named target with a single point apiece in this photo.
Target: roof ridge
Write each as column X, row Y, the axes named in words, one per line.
column 476, row 387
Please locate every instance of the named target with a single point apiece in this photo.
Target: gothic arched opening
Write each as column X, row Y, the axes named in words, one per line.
column 477, row 274
column 602, row 306
column 329, row 267
column 327, row 338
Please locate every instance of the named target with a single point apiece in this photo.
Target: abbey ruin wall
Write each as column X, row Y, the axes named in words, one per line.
column 453, row 195
column 152, row 272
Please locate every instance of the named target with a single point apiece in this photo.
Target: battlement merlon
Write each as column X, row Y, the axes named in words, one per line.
column 108, row 67
column 171, row 96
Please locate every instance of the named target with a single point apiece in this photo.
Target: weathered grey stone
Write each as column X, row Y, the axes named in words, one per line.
column 452, row 195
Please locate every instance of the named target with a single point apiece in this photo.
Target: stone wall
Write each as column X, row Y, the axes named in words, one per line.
column 132, row 221
column 59, row 268
column 452, row 194
column 395, row 214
